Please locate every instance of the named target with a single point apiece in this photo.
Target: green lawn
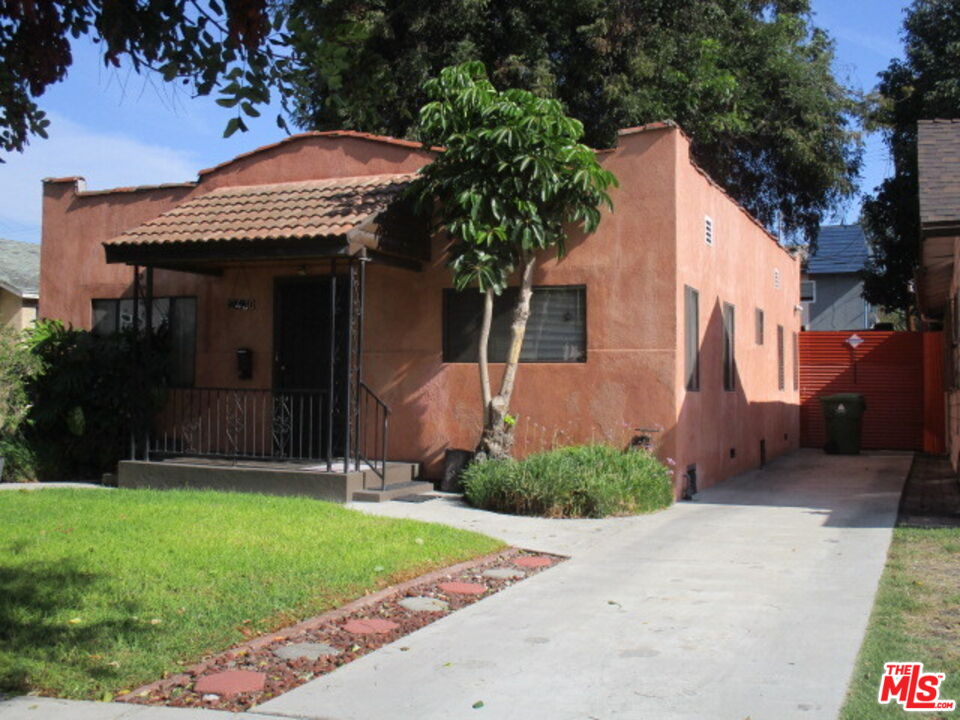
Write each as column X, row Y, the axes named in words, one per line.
column 105, row 590
column 916, row 617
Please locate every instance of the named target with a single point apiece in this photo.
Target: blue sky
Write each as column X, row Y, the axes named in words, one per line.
column 116, row 128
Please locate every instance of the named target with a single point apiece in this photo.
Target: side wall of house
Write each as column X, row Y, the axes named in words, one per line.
column 839, row 303
column 720, row 431
column 626, row 381
column 15, row 312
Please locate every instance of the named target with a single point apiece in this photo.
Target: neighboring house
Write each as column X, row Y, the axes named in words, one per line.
column 298, row 317
column 938, row 277
column 831, row 289
column 19, row 283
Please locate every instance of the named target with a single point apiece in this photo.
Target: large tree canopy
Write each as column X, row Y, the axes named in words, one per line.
column 232, row 47
column 749, row 80
column 925, row 84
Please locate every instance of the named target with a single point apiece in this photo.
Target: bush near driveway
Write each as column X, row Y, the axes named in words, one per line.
column 104, row 590
column 581, row 481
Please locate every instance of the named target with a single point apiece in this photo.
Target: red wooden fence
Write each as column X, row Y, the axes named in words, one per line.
column 899, row 373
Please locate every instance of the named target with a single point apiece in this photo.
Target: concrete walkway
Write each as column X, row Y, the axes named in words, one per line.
column 750, row 602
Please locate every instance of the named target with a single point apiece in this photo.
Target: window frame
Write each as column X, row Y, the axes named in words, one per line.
column 758, row 320
column 729, row 348
column 781, row 360
column 171, row 298
column 449, row 292
column 813, row 295
column 691, row 374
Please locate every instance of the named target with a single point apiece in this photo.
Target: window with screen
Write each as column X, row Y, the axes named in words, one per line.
column 556, row 329
column 808, row 291
column 729, row 348
column 780, row 372
column 176, row 315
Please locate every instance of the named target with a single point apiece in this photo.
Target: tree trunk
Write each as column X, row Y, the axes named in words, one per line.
column 484, row 354
column 497, row 438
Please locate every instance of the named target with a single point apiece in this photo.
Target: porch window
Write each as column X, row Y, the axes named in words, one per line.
column 177, row 314
column 556, row 330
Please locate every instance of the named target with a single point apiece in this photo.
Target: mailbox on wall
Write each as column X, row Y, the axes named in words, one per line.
column 244, row 363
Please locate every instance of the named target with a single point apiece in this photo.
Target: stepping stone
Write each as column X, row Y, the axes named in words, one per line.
column 230, row 682
column 462, row 588
column 371, row 626
column 424, row 604
column 504, row 573
column 309, row 651
column 533, row 561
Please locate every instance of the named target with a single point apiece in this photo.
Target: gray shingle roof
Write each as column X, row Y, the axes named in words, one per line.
column 20, row 267
column 840, row 249
column 938, row 156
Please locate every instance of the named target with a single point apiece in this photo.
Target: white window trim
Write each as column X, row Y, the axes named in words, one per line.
column 813, row 295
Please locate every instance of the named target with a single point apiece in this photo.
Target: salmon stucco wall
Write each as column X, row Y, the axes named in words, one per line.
column 77, row 222
column 720, row 431
column 627, row 267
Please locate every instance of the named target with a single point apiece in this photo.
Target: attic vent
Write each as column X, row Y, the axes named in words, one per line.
column 776, row 278
column 708, row 229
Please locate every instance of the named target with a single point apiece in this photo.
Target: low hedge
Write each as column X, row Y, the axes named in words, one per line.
column 581, row 481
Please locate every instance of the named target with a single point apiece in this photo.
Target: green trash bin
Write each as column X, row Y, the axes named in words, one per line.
column 843, row 414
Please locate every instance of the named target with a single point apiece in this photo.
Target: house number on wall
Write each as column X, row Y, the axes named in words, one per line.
column 241, row 304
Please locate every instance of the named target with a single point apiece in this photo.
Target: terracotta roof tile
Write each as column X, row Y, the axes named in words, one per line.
column 313, row 208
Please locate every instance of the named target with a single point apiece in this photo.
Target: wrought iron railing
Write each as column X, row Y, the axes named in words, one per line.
column 373, row 425
column 243, row 423
column 272, row 425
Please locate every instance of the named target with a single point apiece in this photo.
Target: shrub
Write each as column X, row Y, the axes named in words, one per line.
column 581, row 481
column 90, row 393
column 17, row 367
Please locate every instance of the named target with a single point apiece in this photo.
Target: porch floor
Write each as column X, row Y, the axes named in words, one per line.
column 306, row 478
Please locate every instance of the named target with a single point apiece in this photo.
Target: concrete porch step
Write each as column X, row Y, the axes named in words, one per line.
column 393, row 491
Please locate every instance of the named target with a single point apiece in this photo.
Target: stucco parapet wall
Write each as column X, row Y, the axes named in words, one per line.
column 671, row 125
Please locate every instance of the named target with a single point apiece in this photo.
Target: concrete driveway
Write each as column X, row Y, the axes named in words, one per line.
column 750, row 602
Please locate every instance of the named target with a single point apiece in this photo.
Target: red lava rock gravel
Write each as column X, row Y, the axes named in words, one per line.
column 355, row 630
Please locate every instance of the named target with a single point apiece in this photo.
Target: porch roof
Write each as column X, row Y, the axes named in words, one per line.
column 294, row 219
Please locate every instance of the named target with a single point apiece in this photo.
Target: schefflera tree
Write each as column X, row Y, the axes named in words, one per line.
column 512, row 181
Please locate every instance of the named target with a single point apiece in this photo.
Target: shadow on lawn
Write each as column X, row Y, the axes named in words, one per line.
column 36, row 602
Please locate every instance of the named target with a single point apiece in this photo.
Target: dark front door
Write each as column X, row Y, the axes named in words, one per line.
column 310, row 350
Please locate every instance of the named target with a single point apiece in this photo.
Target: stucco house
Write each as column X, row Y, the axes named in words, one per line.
column 19, row 283
column 305, row 332
column 831, row 289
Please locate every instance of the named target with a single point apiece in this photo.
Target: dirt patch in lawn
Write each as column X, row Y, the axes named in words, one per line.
column 349, row 632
